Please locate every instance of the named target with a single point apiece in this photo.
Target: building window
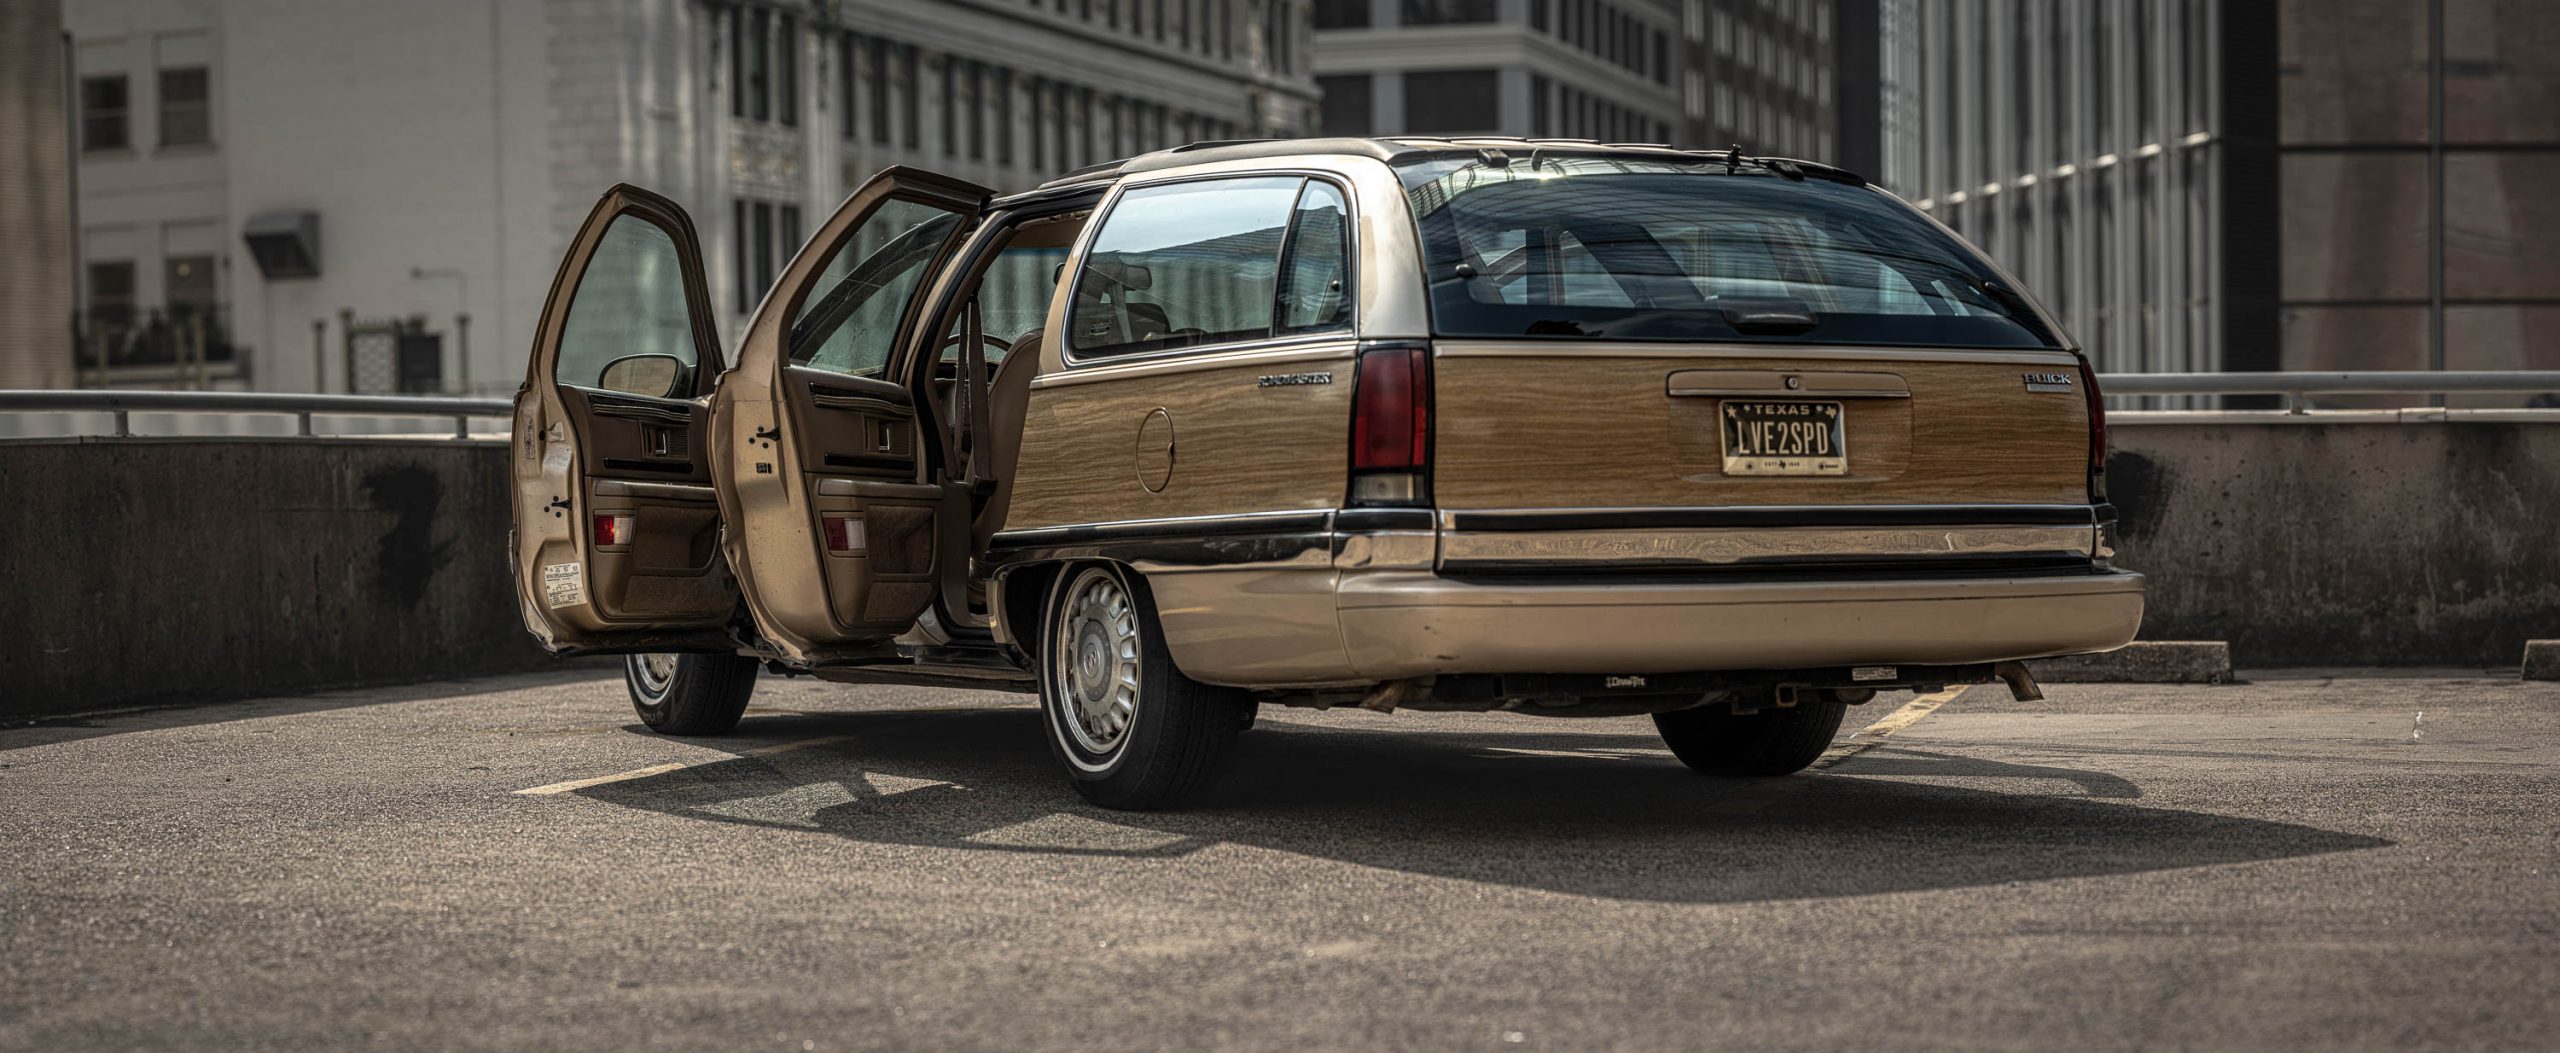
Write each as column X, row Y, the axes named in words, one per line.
column 846, row 78
column 759, row 72
column 1004, row 116
column 1446, row 12
column 1084, row 127
column 187, row 287
column 186, row 112
column 111, row 294
column 1346, row 104
column 1451, row 101
column 975, row 99
column 876, row 55
column 911, row 127
column 787, row 92
column 1539, row 111
column 949, row 106
column 102, row 113
column 765, row 238
column 1039, row 145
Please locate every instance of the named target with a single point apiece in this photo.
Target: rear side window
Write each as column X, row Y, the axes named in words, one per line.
column 1622, row 249
column 1188, row 264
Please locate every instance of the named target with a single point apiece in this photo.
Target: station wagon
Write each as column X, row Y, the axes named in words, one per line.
column 1541, row 426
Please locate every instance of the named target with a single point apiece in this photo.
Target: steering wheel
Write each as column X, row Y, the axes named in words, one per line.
column 1000, row 344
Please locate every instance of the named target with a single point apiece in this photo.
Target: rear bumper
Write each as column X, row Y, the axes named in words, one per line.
column 1409, row 623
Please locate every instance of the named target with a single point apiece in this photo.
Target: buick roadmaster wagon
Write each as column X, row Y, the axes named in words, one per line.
column 1543, row 426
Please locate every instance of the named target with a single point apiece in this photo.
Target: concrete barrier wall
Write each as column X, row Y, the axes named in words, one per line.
column 141, row 572
column 147, row 571
column 2307, row 543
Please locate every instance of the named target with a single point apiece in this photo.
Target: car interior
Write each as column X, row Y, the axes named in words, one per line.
column 993, row 330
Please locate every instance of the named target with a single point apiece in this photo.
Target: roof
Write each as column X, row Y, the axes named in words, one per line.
column 1390, row 148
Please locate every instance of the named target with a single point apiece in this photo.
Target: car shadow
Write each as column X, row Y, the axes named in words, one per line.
column 1605, row 815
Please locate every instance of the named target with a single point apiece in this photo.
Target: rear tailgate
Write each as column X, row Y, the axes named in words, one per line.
column 1597, row 456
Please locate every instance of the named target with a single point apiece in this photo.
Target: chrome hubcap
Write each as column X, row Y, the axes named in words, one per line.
column 655, row 671
column 1094, row 662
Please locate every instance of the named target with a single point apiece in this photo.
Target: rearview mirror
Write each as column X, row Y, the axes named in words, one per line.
column 655, row 376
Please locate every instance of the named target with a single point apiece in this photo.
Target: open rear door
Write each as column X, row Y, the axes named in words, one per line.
column 616, row 539
column 831, row 494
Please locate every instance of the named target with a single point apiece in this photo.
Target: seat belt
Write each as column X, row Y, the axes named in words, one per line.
column 973, row 362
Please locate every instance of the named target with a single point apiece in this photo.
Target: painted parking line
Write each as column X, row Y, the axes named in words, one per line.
column 549, row 789
column 1867, row 737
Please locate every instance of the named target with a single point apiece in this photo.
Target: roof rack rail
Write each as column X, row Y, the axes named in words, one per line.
column 1390, row 147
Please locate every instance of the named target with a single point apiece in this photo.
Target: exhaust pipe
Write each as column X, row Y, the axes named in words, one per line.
column 2022, row 684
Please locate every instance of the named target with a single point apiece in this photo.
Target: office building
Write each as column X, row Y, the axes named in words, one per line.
column 1761, row 74
column 346, row 196
column 2218, row 184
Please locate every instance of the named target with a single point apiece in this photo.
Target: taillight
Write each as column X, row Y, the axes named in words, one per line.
column 613, row 530
column 1391, row 427
column 2097, row 428
column 844, row 533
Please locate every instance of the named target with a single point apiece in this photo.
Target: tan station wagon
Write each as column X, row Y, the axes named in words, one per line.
column 1545, row 426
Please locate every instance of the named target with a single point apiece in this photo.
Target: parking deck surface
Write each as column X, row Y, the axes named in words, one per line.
column 2296, row 861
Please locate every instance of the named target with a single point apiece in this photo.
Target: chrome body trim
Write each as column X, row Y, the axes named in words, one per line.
column 1319, row 347
column 655, row 491
column 1784, row 384
column 1760, row 546
column 839, row 486
column 1472, row 347
column 1771, row 516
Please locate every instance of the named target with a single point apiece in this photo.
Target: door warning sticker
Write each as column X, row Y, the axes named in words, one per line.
column 562, row 585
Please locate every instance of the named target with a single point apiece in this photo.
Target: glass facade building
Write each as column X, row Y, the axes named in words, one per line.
column 1593, row 69
column 2220, row 184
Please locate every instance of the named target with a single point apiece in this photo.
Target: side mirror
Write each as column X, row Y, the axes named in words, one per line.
column 655, row 376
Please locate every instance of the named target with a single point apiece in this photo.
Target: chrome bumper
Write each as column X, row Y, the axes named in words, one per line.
column 1398, row 623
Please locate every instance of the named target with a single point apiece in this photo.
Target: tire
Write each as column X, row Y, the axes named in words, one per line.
column 1713, row 740
column 689, row 694
column 1133, row 732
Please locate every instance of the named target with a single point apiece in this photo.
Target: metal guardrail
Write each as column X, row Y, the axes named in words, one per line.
column 302, row 407
column 2297, row 387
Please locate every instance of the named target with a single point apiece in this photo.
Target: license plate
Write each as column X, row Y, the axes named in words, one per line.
column 1784, row 438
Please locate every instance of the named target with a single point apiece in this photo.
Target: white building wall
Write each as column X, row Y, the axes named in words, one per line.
column 450, row 147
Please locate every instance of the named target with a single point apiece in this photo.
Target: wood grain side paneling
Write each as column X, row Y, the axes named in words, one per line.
column 1238, row 447
column 1569, row 431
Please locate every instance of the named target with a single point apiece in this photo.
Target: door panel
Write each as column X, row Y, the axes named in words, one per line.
column 831, row 508
column 615, row 545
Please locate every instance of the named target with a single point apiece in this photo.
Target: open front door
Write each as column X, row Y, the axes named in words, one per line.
column 831, row 494
column 616, row 539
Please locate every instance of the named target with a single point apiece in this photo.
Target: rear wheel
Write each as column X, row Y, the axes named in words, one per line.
column 1133, row 731
column 1714, row 740
column 689, row 694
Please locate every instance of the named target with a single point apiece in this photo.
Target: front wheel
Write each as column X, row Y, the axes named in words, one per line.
column 1714, row 740
column 1133, row 731
column 689, row 694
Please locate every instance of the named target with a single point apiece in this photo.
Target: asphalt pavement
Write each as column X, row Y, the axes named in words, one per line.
column 2312, row 862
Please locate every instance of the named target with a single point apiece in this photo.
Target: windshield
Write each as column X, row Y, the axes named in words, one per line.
column 1627, row 249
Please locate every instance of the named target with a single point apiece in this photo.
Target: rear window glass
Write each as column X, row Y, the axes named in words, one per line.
column 1620, row 249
